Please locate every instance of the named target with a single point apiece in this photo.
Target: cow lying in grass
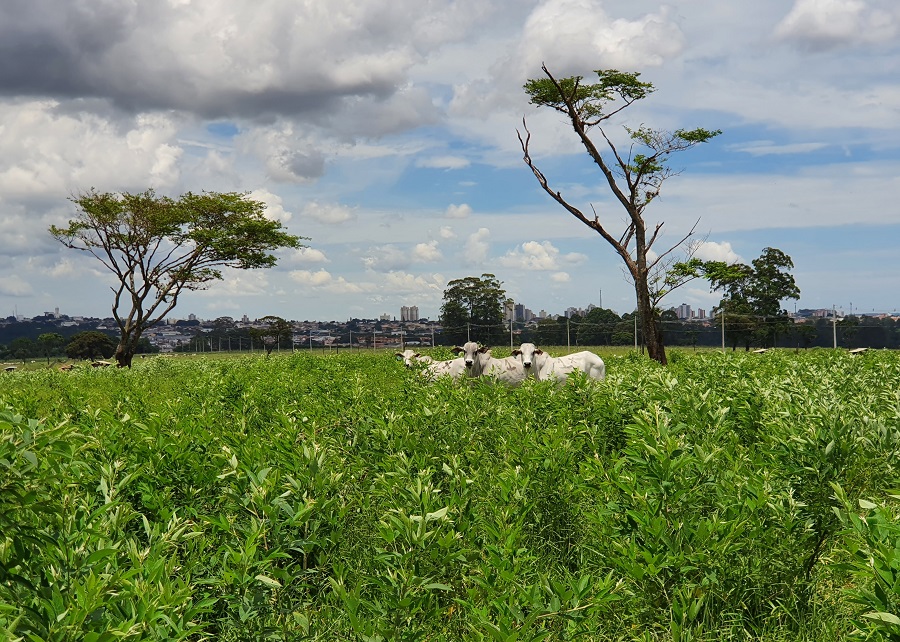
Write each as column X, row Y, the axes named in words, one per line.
column 411, row 358
column 543, row 367
column 479, row 362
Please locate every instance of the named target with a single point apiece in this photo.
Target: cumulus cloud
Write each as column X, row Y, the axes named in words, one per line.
column 386, row 257
column 712, row 251
column 819, row 25
column 239, row 283
column 329, row 213
column 274, row 209
column 539, row 256
column 447, row 232
column 324, row 280
column 310, row 255
column 45, row 151
column 571, row 37
column 426, row 252
column 560, row 277
column 404, row 283
column 223, row 59
column 477, row 247
column 458, row 211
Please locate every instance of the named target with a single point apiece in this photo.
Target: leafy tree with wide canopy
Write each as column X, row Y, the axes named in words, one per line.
column 634, row 175
column 50, row 342
column 90, row 344
column 473, row 308
column 273, row 332
column 753, row 293
column 158, row 247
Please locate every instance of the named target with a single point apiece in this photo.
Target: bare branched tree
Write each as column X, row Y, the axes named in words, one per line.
column 635, row 176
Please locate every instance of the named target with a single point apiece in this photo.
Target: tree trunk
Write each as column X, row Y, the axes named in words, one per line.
column 127, row 348
column 656, row 349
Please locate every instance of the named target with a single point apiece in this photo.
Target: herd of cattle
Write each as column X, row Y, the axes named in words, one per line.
column 526, row 361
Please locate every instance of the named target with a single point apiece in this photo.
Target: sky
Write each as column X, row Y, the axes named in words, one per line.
column 385, row 132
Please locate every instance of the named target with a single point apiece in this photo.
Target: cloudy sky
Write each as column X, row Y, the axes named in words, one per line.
column 385, row 131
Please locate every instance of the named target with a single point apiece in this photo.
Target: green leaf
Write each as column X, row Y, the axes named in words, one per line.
column 268, row 581
column 890, row 618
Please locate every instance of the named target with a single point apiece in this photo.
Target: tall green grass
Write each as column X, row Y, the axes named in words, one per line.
column 336, row 497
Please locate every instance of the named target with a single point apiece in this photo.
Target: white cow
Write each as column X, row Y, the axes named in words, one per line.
column 544, row 367
column 480, row 362
column 412, row 358
column 454, row 368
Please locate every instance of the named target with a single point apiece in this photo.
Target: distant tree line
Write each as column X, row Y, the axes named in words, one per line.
column 86, row 344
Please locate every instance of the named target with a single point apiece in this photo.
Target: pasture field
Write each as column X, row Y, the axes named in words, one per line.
column 340, row 497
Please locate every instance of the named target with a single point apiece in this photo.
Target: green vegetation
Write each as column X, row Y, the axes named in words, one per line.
column 339, row 497
column 158, row 247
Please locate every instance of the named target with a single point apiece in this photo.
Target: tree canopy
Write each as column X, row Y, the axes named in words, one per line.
column 159, row 247
column 751, row 305
column 634, row 173
column 473, row 309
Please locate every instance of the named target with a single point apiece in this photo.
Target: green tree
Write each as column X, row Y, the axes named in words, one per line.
column 90, row 344
column 22, row 348
column 549, row 332
column 49, row 343
column 473, row 309
column 158, row 247
column 273, row 333
column 753, row 295
column 597, row 327
column 634, row 177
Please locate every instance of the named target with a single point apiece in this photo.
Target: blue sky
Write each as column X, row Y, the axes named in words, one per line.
column 386, row 133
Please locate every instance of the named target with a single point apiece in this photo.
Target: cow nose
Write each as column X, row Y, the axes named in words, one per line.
column 468, row 363
column 527, row 364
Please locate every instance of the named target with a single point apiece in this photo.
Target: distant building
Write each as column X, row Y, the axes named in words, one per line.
column 409, row 313
column 683, row 311
column 520, row 312
column 701, row 314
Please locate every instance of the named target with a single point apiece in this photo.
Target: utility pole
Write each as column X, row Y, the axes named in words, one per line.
column 722, row 312
column 510, row 334
column 468, row 337
column 568, row 340
column 834, row 327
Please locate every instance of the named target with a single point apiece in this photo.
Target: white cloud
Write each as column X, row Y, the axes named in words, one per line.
column 539, row 256
column 818, row 25
column 314, row 279
column 765, row 148
column 443, row 162
column 712, row 251
column 458, row 211
column 274, row 209
column 447, row 232
column 560, row 277
column 324, row 280
column 330, row 214
column 46, row 151
column 239, row 283
column 310, row 255
column 404, row 283
column 14, row 286
column 426, row 252
column 386, row 257
column 477, row 247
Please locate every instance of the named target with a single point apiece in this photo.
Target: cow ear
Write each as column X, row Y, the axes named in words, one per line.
column 516, row 352
column 538, row 351
column 457, row 349
column 483, row 349
column 399, row 354
column 417, row 355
